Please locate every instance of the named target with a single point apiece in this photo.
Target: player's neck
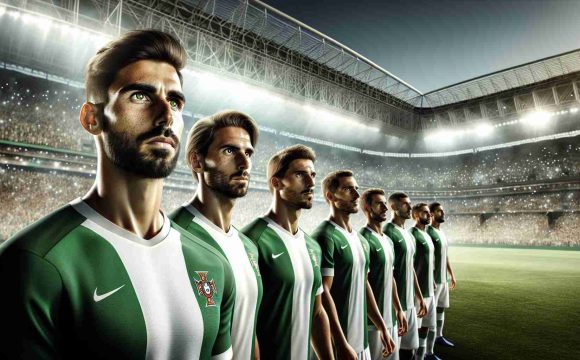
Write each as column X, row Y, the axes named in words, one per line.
column 216, row 207
column 128, row 201
column 419, row 225
column 375, row 226
column 435, row 224
column 398, row 221
column 285, row 215
column 341, row 219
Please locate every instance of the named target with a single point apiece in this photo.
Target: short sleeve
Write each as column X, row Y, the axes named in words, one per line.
column 327, row 247
column 31, row 293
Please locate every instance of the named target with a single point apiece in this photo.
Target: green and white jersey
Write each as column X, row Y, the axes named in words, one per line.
column 424, row 261
column 441, row 247
column 404, row 246
column 77, row 286
column 382, row 257
column 345, row 256
column 242, row 255
column 290, row 267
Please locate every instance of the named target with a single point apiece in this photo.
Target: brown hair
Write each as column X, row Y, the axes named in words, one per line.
column 280, row 161
column 330, row 182
column 396, row 197
column 433, row 206
column 134, row 46
column 418, row 207
column 203, row 131
column 368, row 194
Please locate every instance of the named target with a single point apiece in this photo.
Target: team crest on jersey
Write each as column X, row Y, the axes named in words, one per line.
column 206, row 288
column 254, row 263
column 313, row 257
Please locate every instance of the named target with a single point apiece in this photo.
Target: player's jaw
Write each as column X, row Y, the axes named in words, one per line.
column 152, row 154
column 229, row 185
column 301, row 199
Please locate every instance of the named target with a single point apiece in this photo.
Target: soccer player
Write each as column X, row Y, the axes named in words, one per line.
column 219, row 152
column 347, row 297
column 381, row 279
column 109, row 276
column 442, row 266
column 291, row 312
column 424, row 268
column 407, row 284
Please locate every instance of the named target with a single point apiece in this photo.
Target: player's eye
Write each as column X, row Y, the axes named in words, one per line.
column 140, row 97
column 229, row 151
column 175, row 105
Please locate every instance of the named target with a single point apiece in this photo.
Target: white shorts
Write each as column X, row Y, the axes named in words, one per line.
column 442, row 294
column 429, row 320
column 364, row 355
column 376, row 346
column 410, row 340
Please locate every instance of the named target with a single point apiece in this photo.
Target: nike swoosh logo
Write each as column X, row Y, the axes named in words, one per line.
column 98, row 298
column 381, row 249
column 344, row 247
column 275, row 256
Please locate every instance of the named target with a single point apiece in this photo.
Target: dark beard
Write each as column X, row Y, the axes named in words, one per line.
column 440, row 220
column 124, row 153
column 424, row 221
column 296, row 199
column 220, row 183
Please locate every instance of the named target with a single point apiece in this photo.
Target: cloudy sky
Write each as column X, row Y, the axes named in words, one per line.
column 432, row 44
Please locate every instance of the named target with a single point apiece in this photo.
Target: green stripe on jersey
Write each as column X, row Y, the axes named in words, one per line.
column 349, row 268
column 242, row 255
column 77, row 286
column 290, row 267
column 382, row 256
column 404, row 246
column 424, row 262
column 441, row 247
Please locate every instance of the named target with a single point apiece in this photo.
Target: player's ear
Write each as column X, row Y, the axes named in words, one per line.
column 195, row 162
column 275, row 182
column 90, row 118
column 329, row 196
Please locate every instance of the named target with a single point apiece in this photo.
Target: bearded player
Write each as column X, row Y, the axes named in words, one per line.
column 348, row 297
column 407, row 285
column 291, row 314
column 442, row 267
column 381, row 279
column 219, row 152
column 424, row 268
column 109, row 276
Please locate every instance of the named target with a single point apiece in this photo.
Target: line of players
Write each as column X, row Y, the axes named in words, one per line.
column 111, row 276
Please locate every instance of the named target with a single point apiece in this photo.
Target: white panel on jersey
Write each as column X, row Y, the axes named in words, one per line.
column 159, row 276
column 356, row 316
column 409, row 269
column 388, row 281
column 245, row 278
column 301, row 295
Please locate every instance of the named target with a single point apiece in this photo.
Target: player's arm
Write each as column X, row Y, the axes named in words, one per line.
column 450, row 270
column 29, row 304
column 256, row 349
column 320, row 334
column 422, row 306
column 401, row 319
column 375, row 315
column 343, row 349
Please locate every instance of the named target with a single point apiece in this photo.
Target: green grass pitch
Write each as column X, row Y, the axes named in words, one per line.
column 513, row 304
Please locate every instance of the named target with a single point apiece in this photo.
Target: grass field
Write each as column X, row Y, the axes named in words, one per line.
column 514, row 304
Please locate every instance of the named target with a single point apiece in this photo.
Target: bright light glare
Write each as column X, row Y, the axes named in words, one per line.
column 574, row 110
column 483, row 130
column 537, row 118
column 2, row 10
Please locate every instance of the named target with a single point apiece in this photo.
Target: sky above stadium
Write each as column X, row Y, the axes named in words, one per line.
column 432, row 44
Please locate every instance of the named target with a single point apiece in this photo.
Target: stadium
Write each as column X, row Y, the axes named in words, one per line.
column 500, row 151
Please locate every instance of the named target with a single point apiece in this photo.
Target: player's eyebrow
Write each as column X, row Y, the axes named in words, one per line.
column 150, row 89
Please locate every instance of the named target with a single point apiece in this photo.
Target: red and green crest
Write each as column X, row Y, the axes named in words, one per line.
column 206, row 288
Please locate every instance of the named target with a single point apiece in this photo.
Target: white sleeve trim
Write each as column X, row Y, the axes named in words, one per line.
column 320, row 290
column 227, row 355
column 327, row 271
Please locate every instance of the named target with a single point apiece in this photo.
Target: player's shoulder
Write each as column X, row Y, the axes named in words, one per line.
column 325, row 230
column 248, row 242
column 181, row 216
column 365, row 232
column 393, row 233
column 43, row 235
column 202, row 248
column 255, row 229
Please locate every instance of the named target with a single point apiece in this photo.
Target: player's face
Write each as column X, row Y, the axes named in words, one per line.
column 346, row 196
column 143, row 121
column 439, row 214
column 227, row 165
column 378, row 208
column 403, row 208
column 423, row 216
column 297, row 185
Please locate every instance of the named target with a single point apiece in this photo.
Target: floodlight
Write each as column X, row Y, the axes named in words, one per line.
column 537, row 118
column 2, row 10
column 483, row 130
